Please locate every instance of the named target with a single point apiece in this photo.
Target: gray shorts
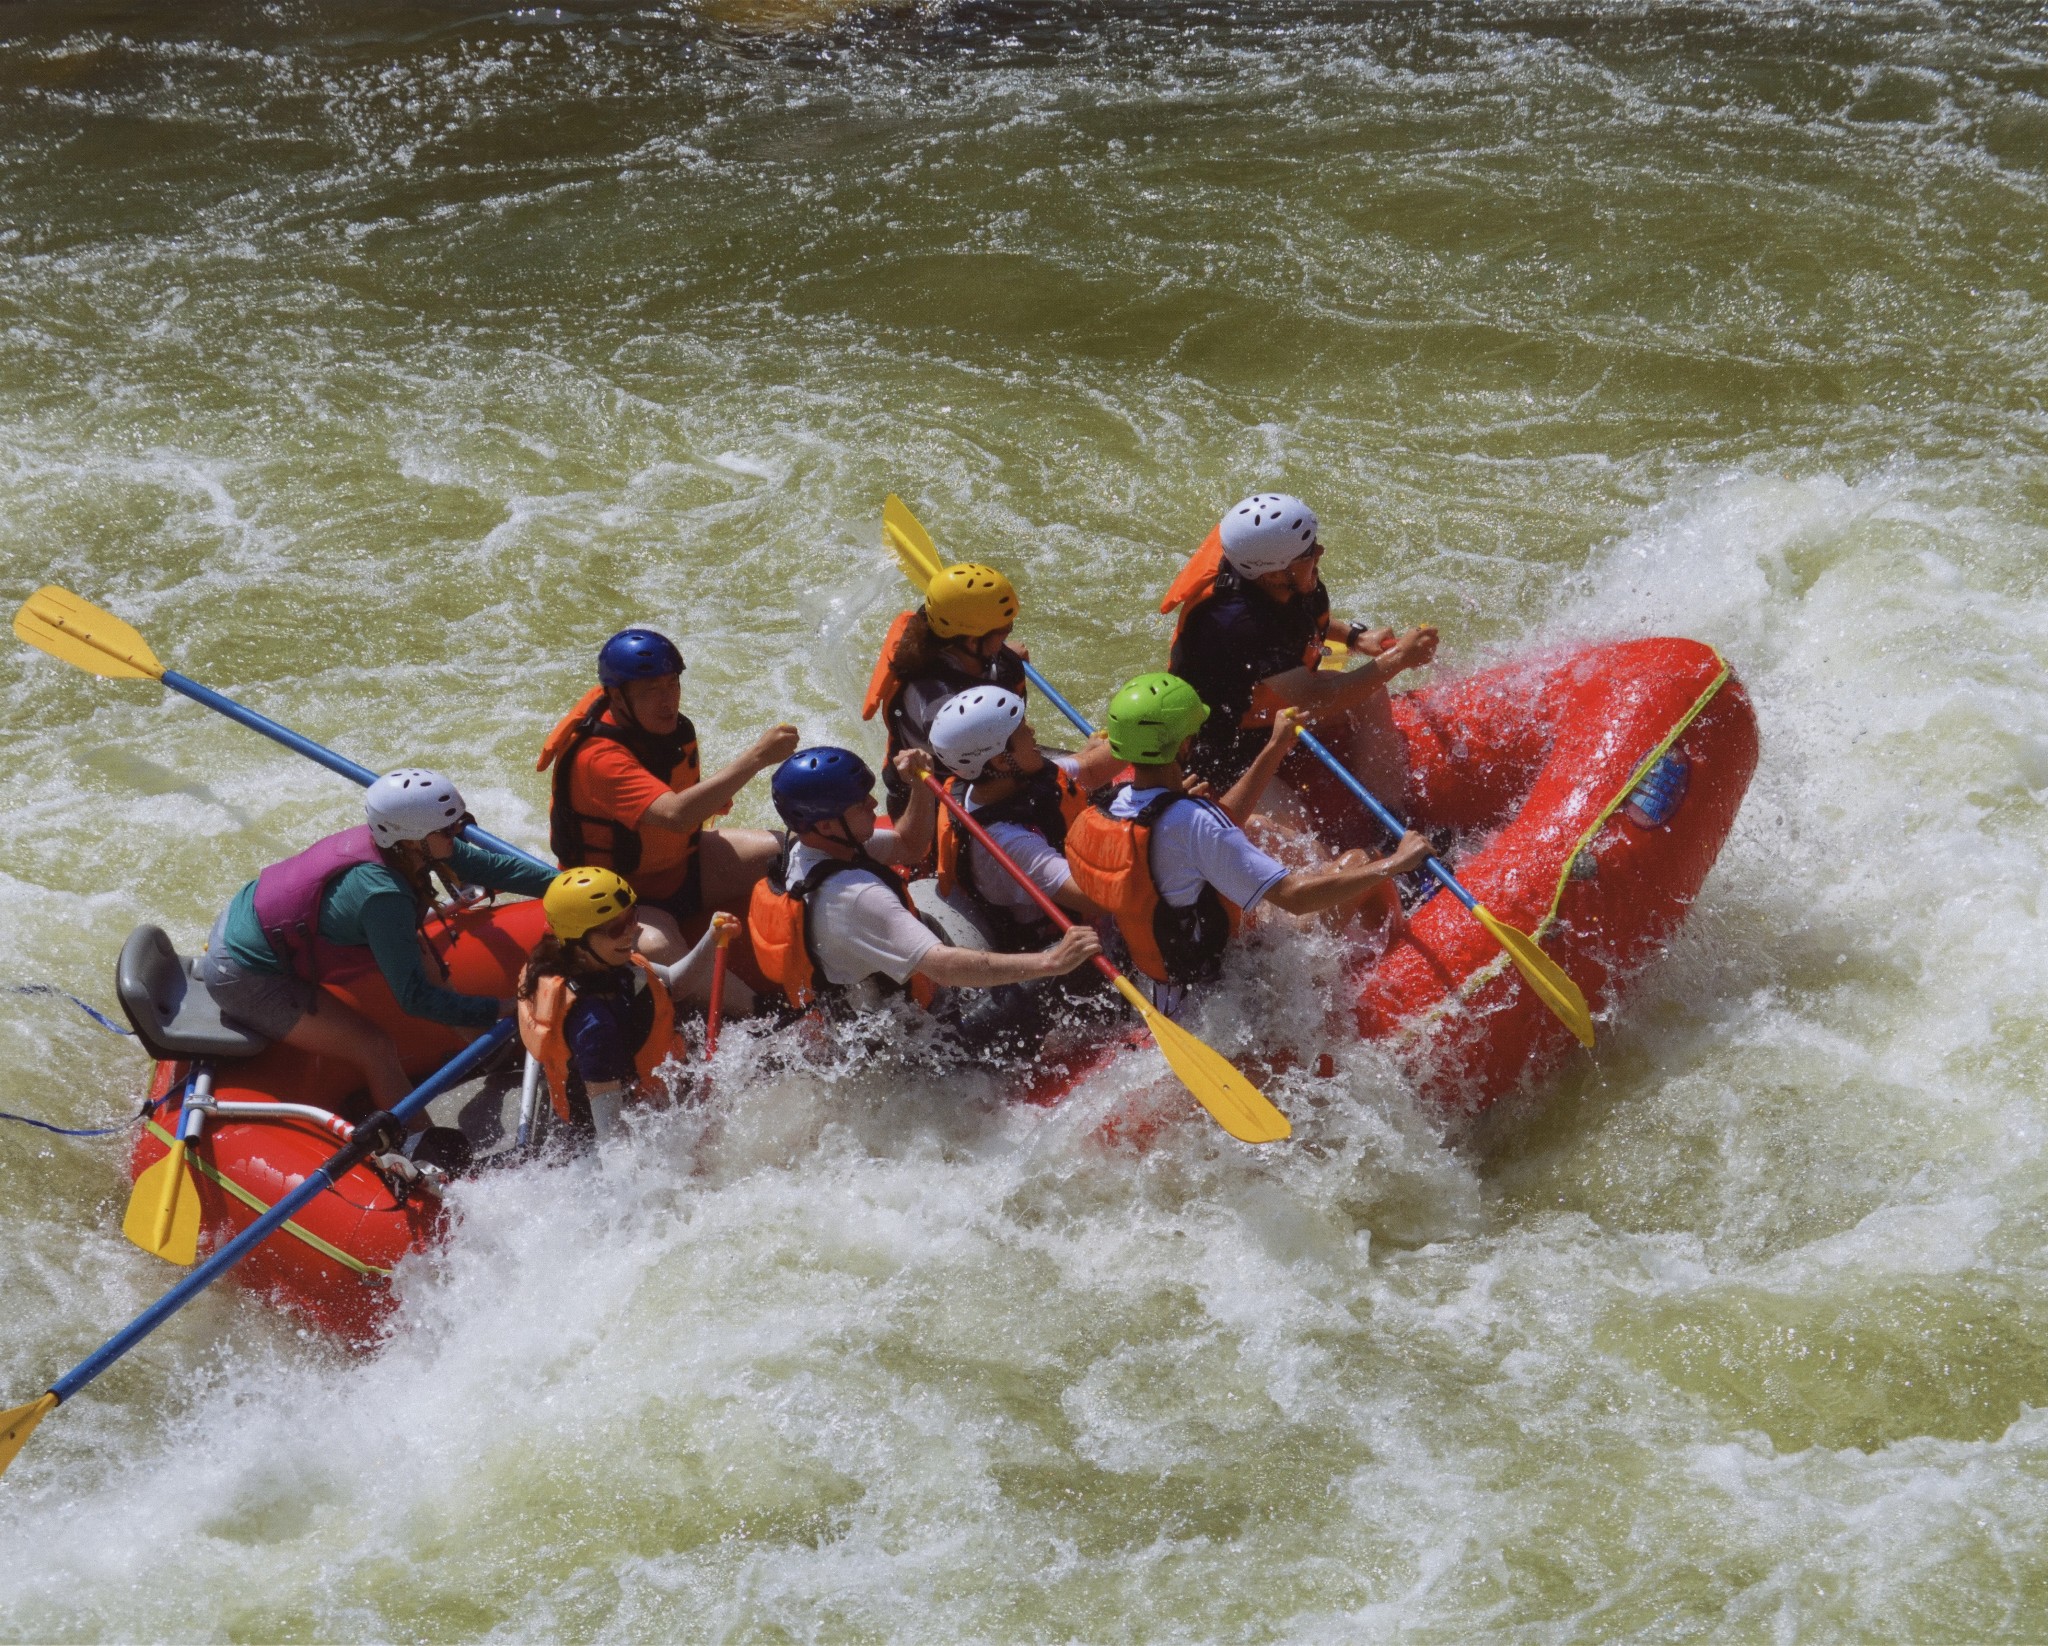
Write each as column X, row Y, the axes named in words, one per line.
column 264, row 1003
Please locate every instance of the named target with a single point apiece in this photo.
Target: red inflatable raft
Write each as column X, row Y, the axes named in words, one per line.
column 333, row 1263
column 1590, row 793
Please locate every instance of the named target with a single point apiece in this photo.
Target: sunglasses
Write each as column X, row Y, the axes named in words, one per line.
column 618, row 926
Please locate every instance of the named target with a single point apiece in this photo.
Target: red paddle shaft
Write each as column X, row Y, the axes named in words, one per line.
column 1053, row 912
column 717, row 1007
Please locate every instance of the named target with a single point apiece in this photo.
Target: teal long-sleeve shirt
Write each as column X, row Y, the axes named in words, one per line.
column 370, row 907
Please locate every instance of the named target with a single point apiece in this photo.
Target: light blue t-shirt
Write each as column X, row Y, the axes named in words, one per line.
column 1196, row 845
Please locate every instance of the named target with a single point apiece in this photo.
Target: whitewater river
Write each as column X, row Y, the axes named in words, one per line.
column 377, row 361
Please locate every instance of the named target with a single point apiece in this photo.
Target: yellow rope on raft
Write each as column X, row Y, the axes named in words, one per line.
column 369, row 1271
column 1474, row 982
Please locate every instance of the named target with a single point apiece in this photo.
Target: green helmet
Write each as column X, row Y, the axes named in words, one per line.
column 1151, row 717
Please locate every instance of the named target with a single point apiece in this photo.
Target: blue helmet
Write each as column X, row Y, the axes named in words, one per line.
column 637, row 654
column 816, row 785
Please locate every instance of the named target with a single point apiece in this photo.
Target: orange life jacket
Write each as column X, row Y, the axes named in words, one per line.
column 580, row 839
column 779, row 930
column 544, row 1031
column 1197, row 579
column 1111, row 858
column 885, row 682
column 1048, row 801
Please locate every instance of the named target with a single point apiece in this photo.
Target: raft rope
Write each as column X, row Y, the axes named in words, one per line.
column 86, row 1007
column 367, row 1271
column 73, row 1131
column 1422, row 1022
column 104, row 1022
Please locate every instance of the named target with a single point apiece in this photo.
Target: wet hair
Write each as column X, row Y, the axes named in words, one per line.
column 557, row 957
column 917, row 653
column 420, row 870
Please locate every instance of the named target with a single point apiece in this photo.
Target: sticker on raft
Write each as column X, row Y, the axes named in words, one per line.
column 1661, row 790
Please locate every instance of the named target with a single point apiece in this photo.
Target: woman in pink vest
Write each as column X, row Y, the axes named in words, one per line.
column 349, row 904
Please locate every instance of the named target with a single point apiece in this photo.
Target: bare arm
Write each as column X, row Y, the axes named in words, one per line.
column 1096, row 765
column 1352, row 875
column 912, row 837
column 1071, row 898
column 686, row 809
column 1244, row 794
column 980, row 969
column 1321, row 690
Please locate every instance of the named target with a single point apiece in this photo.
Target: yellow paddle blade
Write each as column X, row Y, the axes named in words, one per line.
column 1543, row 974
column 1235, row 1104
column 163, row 1211
column 56, row 621
column 916, row 553
column 16, row 1426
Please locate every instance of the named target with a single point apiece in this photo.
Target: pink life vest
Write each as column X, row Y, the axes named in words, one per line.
column 288, row 897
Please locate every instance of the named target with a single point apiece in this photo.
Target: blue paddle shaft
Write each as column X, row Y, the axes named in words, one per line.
column 1387, row 819
column 451, row 1073
column 313, row 751
column 1315, row 747
column 1057, row 701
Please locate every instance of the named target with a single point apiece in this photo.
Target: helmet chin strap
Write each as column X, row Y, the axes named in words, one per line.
column 622, row 706
column 845, row 843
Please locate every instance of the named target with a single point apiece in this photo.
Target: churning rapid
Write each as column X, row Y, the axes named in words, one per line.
column 378, row 361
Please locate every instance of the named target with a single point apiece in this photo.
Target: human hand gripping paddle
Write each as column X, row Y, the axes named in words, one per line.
column 919, row 558
column 17, row 1425
column 1236, row 1105
column 163, row 1209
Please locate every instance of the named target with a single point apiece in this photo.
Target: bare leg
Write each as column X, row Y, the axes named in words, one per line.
column 1376, row 753
column 661, row 939
column 334, row 1028
column 733, row 860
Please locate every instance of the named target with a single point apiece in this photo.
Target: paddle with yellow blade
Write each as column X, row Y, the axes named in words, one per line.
column 1236, row 1105
column 919, row 558
column 163, row 1211
column 17, row 1425
column 77, row 632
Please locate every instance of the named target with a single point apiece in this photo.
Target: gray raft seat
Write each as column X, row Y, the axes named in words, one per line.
column 174, row 1016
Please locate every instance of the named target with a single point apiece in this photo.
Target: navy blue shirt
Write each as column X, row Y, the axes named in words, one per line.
column 607, row 1024
column 1232, row 640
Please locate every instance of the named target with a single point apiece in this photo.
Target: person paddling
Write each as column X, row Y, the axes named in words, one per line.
column 349, row 905
column 1174, row 866
column 1025, row 799
column 599, row 1017
column 629, row 796
column 1254, row 617
column 956, row 640
column 833, row 922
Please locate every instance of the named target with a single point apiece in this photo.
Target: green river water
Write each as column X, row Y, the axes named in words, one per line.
column 377, row 361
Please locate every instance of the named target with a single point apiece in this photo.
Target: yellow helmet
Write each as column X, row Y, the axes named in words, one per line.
column 969, row 600
column 578, row 901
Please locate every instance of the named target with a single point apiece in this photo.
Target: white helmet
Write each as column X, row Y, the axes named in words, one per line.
column 410, row 805
column 973, row 728
column 1266, row 532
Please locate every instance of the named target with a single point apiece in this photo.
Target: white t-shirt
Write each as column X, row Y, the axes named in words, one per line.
column 1196, row 845
column 857, row 925
column 1030, row 851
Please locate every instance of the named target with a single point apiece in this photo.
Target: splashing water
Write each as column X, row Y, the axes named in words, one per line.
column 377, row 363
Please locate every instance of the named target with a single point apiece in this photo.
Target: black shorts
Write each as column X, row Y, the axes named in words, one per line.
column 686, row 902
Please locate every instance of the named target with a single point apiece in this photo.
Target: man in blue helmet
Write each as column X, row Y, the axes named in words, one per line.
column 628, row 794
column 833, row 921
